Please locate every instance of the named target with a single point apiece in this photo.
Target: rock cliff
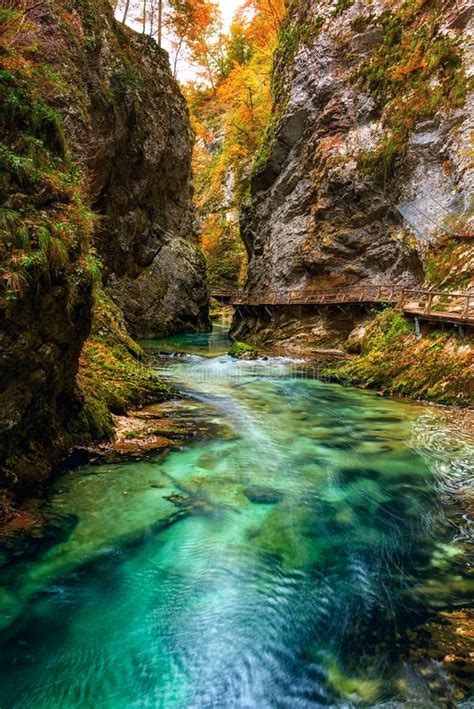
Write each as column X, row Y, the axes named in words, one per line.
column 128, row 124
column 371, row 121
column 95, row 156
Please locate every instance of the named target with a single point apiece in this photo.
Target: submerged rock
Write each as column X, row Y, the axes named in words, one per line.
column 262, row 496
column 192, row 505
column 32, row 529
column 356, row 689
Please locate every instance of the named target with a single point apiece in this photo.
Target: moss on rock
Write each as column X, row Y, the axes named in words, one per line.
column 438, row 367
column 113, row 374
column 76, row 91
column 411, row 74
column 240, row 350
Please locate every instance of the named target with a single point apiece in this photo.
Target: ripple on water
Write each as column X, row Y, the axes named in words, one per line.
column 319, row 533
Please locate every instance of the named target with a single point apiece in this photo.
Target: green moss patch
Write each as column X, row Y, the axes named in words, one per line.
column 240, row 350
column 45, row 226
column 436, row 368
column 413, row 73
column 112, row 374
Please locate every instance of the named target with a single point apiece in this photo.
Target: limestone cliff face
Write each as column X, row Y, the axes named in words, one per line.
column 371, row 111
column 95, row 152
column 129, row 124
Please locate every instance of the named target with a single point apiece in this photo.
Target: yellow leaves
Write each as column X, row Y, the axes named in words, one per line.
column 268, row 16
column 229, row 118
column 196, row 26
column 211, row 233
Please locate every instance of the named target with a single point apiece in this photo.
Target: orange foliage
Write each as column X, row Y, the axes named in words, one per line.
column 229, row 116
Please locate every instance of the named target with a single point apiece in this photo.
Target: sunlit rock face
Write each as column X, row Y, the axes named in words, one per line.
column 352, row 140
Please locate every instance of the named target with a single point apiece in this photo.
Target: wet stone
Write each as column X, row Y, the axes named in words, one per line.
column 262, row 496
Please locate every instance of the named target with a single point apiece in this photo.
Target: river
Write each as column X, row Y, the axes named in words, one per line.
column 281, row 561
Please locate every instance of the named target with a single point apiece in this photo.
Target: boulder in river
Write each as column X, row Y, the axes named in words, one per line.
column 241, row 350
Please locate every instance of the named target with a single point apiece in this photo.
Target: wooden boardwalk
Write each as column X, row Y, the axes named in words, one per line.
column 441, row 306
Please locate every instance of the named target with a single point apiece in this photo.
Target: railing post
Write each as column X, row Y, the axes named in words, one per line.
column 417, row 328
column 465, row 314
column 429, row 304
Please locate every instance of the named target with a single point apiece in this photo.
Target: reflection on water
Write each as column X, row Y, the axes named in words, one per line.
column 203, row 344
column 277, row 566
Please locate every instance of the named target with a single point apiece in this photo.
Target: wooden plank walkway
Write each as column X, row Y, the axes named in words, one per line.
column 455, row 307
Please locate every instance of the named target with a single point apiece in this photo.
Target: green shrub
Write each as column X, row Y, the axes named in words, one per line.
column 342, row 6
column 399, row 74
column 434, row 368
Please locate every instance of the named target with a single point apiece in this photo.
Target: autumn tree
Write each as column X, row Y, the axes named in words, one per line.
column 229, row 118
column 196, row 28
column 230, row 102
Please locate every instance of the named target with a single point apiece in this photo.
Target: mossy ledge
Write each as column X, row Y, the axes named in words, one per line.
column 113, row 375
column 437, row 367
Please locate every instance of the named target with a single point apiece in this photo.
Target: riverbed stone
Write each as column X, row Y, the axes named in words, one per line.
column 262, row 496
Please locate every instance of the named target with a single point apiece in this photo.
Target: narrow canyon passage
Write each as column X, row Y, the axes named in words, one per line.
column 238, row 518
column 280, row 562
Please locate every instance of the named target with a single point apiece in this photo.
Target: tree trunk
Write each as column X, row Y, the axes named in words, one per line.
column 125, row 12
column 152, row 17
column 160, row 21
column 176, row 57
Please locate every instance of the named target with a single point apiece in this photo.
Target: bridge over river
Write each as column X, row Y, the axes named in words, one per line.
column 437, row 306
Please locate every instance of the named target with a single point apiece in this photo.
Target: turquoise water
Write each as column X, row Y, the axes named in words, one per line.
column 280, row 563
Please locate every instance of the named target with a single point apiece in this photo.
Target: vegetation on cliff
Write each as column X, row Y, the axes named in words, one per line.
column 411, row 74
column 229, row 116
column 79, row 94
column 47, row 265
column 370, row 121
column 61, row 380
column 113, row 373
column 45, row 225
column 436, row 367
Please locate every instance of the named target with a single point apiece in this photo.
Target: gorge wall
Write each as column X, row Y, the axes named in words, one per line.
column 372, row 110
column 128, row 124
column 95, row 158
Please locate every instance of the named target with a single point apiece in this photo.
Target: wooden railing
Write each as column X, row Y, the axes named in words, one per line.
column 441, row 305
